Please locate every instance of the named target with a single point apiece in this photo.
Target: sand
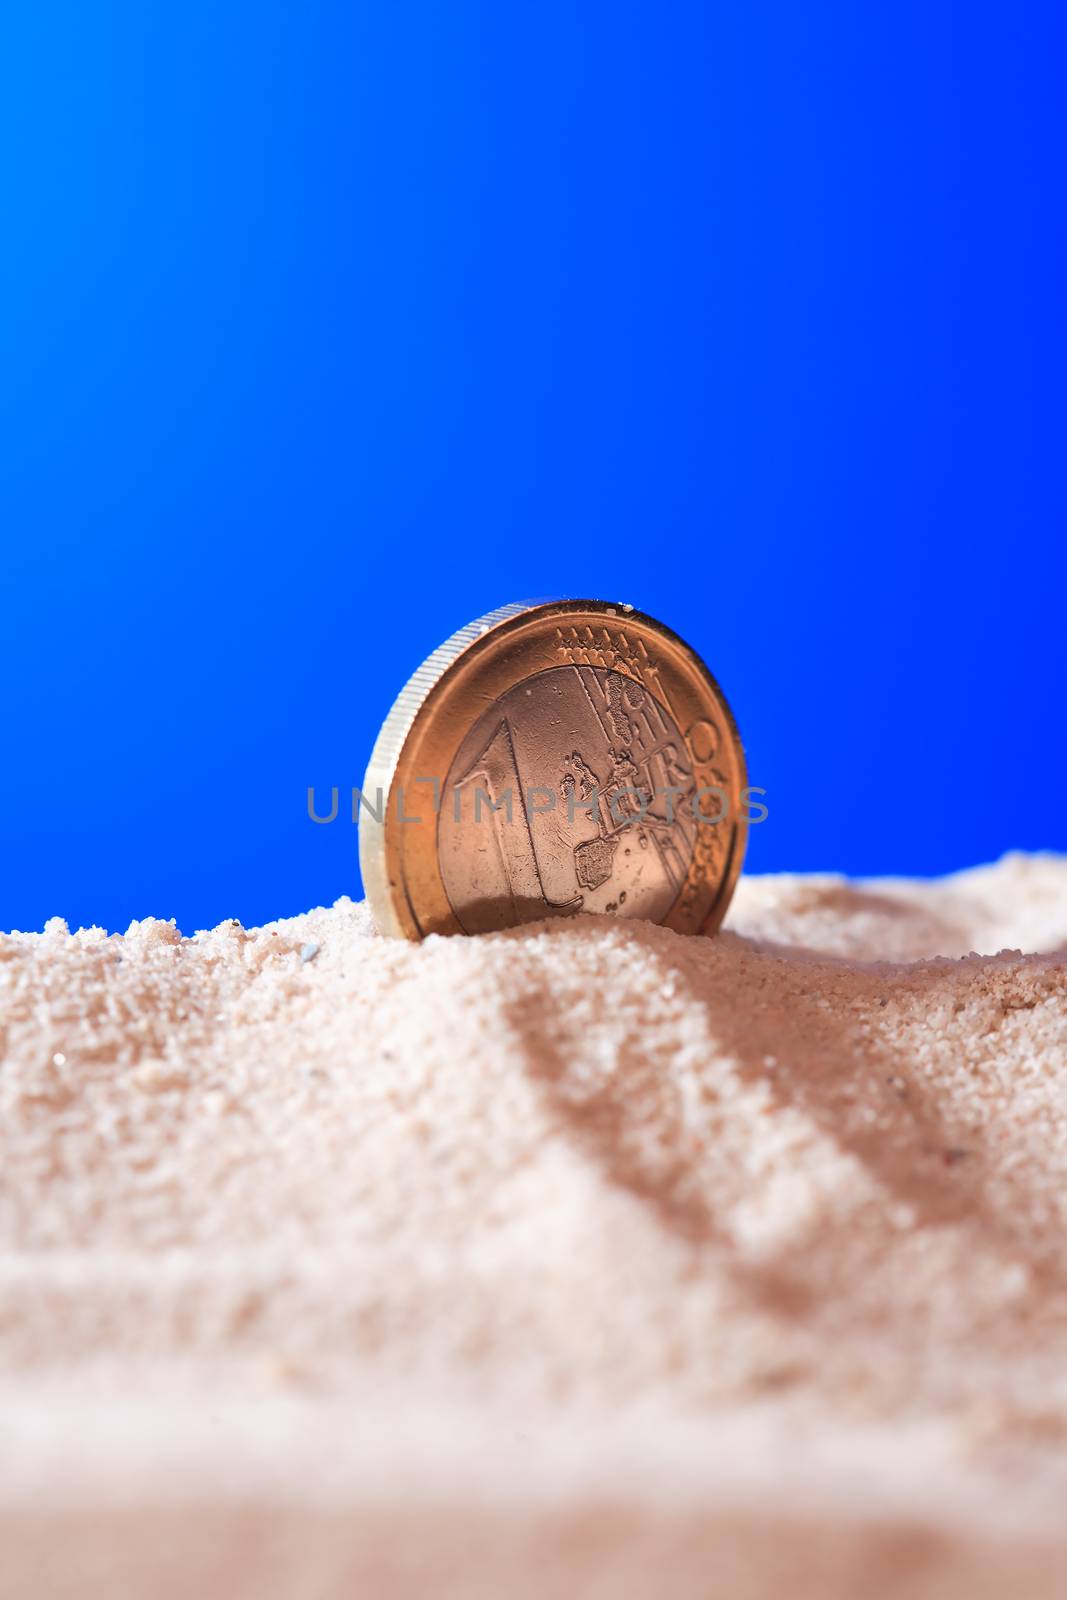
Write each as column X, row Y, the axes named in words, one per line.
column 585, row 1260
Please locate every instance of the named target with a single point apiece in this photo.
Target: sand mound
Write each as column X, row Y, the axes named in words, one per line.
column 585, row 1259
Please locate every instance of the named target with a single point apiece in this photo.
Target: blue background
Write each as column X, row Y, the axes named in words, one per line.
column 328, row 327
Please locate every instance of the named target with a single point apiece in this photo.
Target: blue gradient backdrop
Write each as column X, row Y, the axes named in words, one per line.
column 327, row 327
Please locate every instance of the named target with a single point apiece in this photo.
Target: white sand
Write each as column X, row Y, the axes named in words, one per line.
column 581, row 1261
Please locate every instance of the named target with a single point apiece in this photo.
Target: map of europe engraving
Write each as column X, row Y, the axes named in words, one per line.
column 571, row 792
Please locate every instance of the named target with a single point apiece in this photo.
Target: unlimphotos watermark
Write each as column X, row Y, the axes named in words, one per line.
column 625, row 803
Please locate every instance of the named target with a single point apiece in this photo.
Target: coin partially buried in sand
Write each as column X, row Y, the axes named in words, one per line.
column 553, row 758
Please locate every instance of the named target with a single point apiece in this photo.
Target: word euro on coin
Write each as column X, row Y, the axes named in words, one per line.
column 553, row 758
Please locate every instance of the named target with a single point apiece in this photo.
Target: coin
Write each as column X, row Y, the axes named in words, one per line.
column 553, row 758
